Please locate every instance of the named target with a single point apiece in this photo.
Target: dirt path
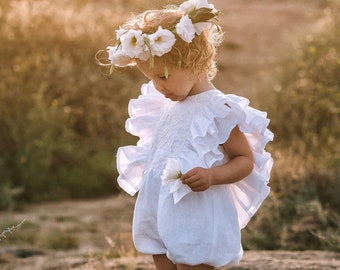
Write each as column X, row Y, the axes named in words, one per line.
column 101, row 234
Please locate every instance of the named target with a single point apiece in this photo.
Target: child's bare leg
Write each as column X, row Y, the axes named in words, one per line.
column 196, row 267
column 163, row 263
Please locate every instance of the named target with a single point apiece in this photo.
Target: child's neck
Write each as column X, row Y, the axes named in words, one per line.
column 202, row 85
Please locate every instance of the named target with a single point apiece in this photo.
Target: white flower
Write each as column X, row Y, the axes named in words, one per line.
column 190, row 5
column 117, row 57
column 120, row 32
column 171, row 176
column 199, row 27
column 185, row 29
column 132, row 43
column 161, row 41
column 171, row 172
column 144, row 54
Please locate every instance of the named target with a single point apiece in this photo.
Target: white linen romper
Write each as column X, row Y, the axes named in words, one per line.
column 197, row 227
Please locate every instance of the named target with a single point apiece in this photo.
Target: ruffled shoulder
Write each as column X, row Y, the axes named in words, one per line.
column 144, row 113
column 223, row 112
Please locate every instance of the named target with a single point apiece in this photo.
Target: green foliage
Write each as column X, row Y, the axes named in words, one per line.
column 303, row 210
column 61, row 117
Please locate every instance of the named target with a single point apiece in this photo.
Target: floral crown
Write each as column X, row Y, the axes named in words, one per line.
column 132, row 43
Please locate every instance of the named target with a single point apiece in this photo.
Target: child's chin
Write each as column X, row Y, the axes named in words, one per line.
column 174, row 98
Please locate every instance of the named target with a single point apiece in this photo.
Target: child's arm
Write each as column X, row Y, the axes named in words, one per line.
column 240, row 165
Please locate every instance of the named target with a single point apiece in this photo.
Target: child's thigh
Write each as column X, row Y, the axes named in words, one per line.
column 163, row 263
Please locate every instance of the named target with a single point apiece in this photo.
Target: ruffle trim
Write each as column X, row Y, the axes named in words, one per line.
column 250, row 192
column 144, row 113
column 220, row 119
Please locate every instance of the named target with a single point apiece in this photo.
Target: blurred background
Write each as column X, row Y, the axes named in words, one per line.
column 62, row 117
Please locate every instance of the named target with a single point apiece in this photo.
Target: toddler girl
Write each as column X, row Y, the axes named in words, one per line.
column 200, row 167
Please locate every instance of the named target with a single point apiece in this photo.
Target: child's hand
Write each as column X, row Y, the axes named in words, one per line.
column 198, row 179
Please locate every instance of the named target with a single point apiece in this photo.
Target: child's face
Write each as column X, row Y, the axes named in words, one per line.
column 179, row 83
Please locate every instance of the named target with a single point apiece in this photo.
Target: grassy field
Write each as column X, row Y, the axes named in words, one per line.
column 62, row 117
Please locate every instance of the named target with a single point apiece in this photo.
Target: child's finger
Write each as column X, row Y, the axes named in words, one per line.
column 190, row 180
column 188, row 174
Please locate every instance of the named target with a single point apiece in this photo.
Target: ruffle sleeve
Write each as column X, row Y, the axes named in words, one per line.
column 144, row 113
column 227, row 111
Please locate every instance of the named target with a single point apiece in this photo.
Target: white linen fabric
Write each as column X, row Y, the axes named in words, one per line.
column 192, row 227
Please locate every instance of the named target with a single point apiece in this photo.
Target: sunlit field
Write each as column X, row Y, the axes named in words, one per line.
column 62, row 117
